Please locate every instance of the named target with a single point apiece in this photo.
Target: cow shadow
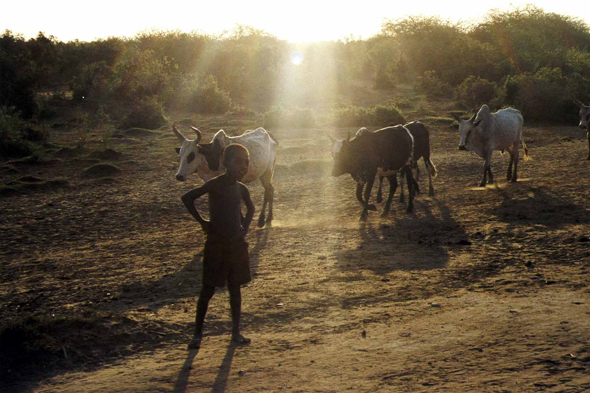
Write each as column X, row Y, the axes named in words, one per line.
column 540, row 206
column 409, row 243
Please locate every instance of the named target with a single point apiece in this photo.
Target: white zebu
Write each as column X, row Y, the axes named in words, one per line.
column 585, row 121
column 487, row 132
column 206, row 160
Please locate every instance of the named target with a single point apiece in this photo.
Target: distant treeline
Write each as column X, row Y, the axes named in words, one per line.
column 529, row 59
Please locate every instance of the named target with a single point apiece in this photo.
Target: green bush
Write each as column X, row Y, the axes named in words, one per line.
column 17, row 137
column 94, row 83
column 278, row 117
column 431, row 85
column 380, row 115
column 474, row 92
column 209, row 98
column 542, row 96
column 145, row 113
column 387, row 115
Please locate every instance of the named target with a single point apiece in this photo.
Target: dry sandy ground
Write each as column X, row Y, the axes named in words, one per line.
column 480, row 290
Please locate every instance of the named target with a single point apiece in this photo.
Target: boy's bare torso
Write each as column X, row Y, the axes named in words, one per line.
column 225, row 198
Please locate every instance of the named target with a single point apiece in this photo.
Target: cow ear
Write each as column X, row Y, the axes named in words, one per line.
column 217, row 146
column 178, row 150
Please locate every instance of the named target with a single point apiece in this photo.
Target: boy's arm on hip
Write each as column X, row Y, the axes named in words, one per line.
column 189, row 202
column 249, row 207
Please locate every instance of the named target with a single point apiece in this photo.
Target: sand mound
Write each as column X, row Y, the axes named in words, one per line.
column 102, row 170
column 139, row 132
column 44, row 185
column 67, row 152
column 7, row 191
column 107, row 154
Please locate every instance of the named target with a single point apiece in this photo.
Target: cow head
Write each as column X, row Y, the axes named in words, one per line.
column 584, row 115
column 345, row 161
column 466, row 127
column 203, row 158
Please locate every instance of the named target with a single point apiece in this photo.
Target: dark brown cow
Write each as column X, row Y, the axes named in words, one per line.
column 385, row 152
column 421, row 150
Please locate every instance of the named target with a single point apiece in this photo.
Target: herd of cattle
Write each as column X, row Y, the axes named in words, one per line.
column 386, row 152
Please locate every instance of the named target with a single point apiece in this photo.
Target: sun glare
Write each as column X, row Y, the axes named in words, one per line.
column 297, row 58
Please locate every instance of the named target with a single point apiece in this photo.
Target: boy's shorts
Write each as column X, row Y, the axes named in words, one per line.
column 226, row 260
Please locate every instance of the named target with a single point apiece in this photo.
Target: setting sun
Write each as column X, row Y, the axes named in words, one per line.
column 296, row 58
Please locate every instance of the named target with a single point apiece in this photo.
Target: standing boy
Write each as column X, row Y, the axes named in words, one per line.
column 226, row 251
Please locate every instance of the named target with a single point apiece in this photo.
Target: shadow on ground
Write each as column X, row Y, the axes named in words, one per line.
column 539, row 207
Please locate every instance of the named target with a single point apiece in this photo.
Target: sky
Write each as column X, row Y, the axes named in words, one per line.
column 295, row 21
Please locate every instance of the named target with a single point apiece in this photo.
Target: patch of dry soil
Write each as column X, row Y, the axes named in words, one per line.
column 478, row 290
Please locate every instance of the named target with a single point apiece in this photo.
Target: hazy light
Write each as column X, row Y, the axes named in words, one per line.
column 297, row 58
column 293, row 22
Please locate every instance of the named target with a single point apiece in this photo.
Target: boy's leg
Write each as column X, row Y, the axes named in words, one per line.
column 202, row 305
column 235, row 302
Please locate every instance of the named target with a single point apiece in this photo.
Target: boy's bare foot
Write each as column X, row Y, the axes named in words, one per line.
column 196, row 343
column 239, row 339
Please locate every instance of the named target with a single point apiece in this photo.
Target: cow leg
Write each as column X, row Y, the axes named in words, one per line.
column 485, row 175
column 487, row 169
column 402, row 198
column 368, row 189
column 429, row 171
column 262, row 218
column 411, row 189
column 514, row 155
column 392, row 187
column 359, row 196
column 588, row 137
column 379, row 194
column 266, row 180
column 509, row 172
column 271, row 198
column 515, row 176
column 417, row 169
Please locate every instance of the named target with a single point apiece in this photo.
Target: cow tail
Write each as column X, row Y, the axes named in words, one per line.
column 433, row 171
column 526, row 151
column 275, row 140
column 411, row 148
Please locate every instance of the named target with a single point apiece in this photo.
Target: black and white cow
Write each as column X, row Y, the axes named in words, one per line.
column 206, row 160
column 384, row 152
column 585, row 121
column 485, row 132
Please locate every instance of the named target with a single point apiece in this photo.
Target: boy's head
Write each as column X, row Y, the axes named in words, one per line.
column 236, row 160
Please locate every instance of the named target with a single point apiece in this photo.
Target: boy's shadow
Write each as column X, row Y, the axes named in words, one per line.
column 261, row 238
column 220, row 383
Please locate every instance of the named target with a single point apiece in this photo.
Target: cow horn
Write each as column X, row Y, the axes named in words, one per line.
column 578, row 102
column 331, row 138
column 348, row 136
column 198, row 134
column 177, row 133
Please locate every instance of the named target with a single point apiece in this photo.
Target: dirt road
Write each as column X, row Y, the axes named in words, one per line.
column 478, row 290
